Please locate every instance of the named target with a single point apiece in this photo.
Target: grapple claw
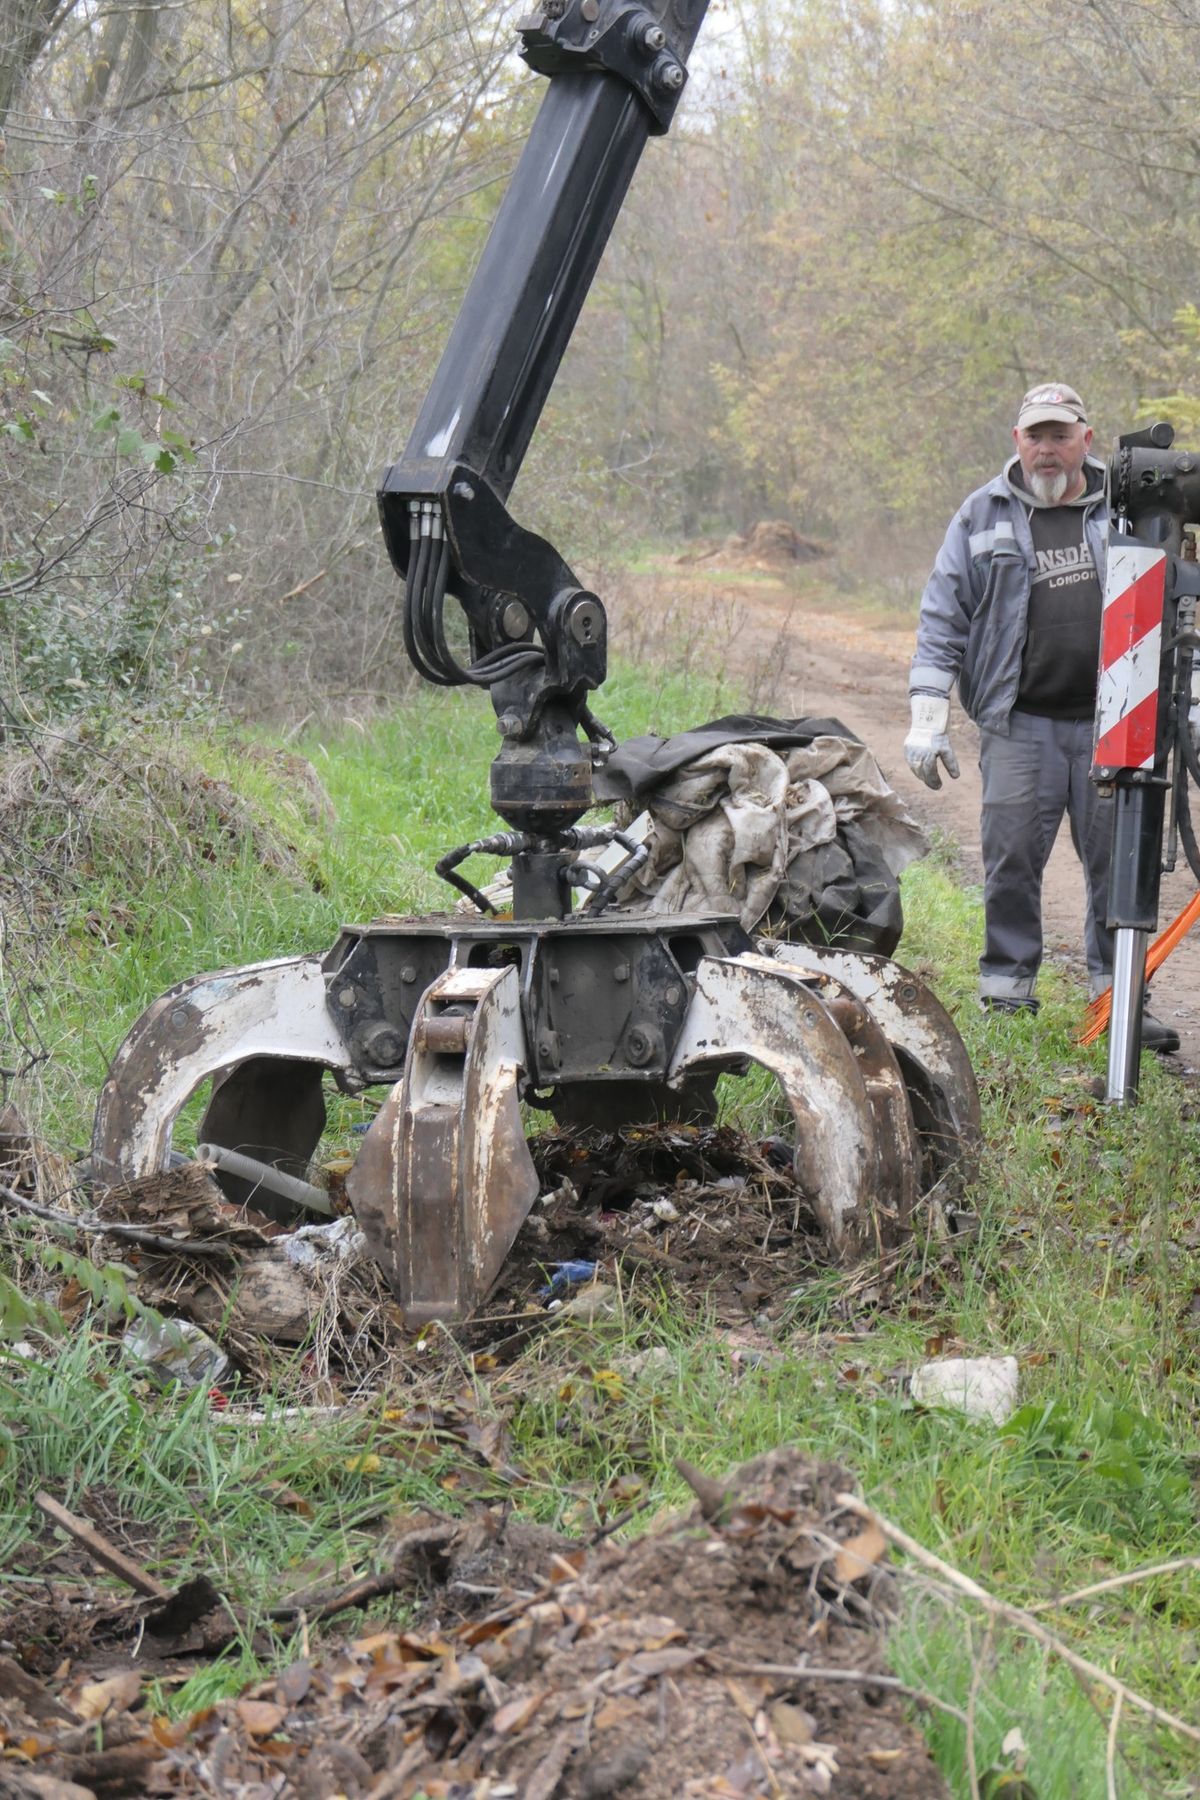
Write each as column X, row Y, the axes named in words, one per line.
column 932, row 1056
column 263, row 1034
column 752, row 1007
column 444, row 1179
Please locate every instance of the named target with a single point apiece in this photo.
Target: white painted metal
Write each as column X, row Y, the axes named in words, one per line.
column 911, row 1018
column 444, row 1179
column 751, row 1006
column 203, row 1028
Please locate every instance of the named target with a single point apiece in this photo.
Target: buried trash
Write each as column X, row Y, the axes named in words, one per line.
column 175, row 1350
column 567, row 1275
column 718, row 1218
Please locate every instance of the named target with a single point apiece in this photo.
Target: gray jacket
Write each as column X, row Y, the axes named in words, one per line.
column 976, row 602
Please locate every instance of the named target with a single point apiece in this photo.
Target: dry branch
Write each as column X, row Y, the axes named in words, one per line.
column 861, row 1677
column 1113, row 1582
column 132, row 1234
column 99, row 1547
column 1018, row 1617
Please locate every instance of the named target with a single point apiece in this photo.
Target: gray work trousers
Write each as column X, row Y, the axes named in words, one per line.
column 1030, row 778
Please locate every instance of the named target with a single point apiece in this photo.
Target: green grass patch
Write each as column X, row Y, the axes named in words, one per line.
column 265, row 1508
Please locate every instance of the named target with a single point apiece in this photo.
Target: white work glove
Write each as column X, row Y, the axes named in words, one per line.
column 928, row 742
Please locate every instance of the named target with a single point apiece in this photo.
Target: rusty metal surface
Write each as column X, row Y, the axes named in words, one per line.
column 444, row 1179
column 200, row 1029
column 752, row 1007
column 896, row 1140
column 932, row 1056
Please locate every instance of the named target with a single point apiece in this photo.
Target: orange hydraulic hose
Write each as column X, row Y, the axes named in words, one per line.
column 1095, row 1019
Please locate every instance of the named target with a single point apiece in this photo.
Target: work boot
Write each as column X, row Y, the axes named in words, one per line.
column 1162, row 1039
column 1008, row 1003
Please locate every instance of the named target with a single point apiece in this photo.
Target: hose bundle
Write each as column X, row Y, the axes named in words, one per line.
column 424, row 612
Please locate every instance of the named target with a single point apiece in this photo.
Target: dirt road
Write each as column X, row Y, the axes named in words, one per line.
column 795, row 653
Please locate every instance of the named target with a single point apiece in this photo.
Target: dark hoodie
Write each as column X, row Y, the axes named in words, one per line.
column 1062, row 639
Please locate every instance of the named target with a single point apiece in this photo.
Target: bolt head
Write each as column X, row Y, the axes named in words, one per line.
column 508, row 725
column 384, row 1046
column 346, row 997
column 586, row 623
column 514, row 620
column 642, row 1044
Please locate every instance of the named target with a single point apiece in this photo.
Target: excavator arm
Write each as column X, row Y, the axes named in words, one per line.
column 538, row 638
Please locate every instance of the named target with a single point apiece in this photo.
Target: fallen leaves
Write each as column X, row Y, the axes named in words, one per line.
column 859, row 1554
column 609, row 1665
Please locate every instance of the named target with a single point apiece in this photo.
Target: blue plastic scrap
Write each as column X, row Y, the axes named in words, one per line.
column 567, row 1275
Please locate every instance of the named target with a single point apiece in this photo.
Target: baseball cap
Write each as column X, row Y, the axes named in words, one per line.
column 1051, row 400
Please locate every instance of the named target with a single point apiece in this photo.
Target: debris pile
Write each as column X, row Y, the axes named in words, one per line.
column 770, row 544
column 735, row 1654
column 217, row 1290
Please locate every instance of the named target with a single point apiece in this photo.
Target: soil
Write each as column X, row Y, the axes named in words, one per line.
column 797, row 653
column 683, row 1666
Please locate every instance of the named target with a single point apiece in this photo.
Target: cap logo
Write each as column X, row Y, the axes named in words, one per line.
column 1053, row 394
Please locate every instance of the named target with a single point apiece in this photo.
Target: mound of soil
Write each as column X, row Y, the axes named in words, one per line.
column 735, row 1654
column 771, row 544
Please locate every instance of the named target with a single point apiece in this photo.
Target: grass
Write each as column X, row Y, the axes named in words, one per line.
column 262, row 1509
column 1083, row 1267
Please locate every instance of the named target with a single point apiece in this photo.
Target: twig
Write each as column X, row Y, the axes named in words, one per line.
column 622, row 1519
column 761, row 1754
column 366, row 1588
column 132, row 1234
column 977, row 1669
column 302, row 587
column 1117, row 1581
column 801, row 1672
column 105, row 1553
column 1110, row 1759
column 1016, row 1615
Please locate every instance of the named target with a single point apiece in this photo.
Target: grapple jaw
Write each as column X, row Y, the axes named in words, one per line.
column 445, row 1180
column 597, row 1020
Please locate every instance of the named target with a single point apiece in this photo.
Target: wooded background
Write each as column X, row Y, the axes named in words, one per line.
column 234, row 236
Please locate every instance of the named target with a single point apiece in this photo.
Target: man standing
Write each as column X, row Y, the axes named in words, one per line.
column 1012, row 612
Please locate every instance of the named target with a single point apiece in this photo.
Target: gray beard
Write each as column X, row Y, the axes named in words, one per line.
column 1049, row 489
